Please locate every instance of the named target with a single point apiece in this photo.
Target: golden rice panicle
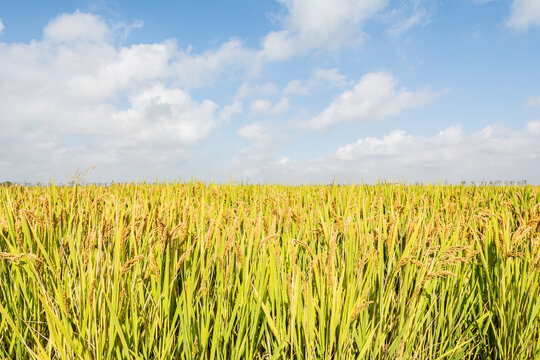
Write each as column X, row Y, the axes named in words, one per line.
column 189, row 270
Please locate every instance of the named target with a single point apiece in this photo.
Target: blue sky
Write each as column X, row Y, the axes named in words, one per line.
column 295, row 91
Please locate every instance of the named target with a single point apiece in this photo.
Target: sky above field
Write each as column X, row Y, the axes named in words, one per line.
column 295, row 91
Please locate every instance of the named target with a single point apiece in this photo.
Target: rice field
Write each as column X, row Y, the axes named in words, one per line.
column 234, row 271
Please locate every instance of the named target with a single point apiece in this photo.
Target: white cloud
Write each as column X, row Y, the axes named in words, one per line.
column 260, row 140
column 533, row 127
column 160, row 116
column 374, row 97
column 332, row 76
column 524, row 13
column 283, row 161
column 493, row 153
column 255, row 133
column 1, row 26
column 407, row 23
column 262, row 106
column 125, row 29
column 281, row 107
column 76, row 27
column 297, row 87
column 279, row 46
column 533, row 101
column 325, row 18
column 250, row 90
column 409, row 14
column 269, row 169
column 206, row 68
column 310, row 24
column 76, row 97
column 231, row 110
column 319, row 77
column 263, row 140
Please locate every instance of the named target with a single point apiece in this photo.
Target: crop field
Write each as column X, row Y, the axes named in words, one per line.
column 232, row 271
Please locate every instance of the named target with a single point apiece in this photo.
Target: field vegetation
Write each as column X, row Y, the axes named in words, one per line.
column 205, row 271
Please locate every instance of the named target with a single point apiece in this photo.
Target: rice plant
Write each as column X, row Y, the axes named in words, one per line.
column 235, row 271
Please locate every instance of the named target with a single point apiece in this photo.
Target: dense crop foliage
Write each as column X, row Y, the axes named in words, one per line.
column 189, row 271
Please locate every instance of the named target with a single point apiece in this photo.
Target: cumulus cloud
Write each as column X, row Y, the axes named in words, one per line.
column 260, row 139
column 533, row 101
column 533, row 127
column 194, row 70
column 76, row 27
column 75, row 98
column 231, row 110
column 319, row 78
column 332, row 76
column 297, row 87
column 1, row 26
column 310, row 24
column 263, row 140
column 160, row 116
column 249, row 90
column 270, row 169
column 494, row 153
column 525, row 13
column 255, row 133
column 262, row 106
column 374, row 97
